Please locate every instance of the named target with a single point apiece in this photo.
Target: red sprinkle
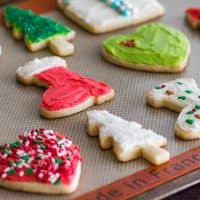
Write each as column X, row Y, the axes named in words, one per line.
column 128, row 43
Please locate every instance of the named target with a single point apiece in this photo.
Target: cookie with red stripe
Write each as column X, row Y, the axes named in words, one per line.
column 68, row 92
column 40, row 161
column 193, row 17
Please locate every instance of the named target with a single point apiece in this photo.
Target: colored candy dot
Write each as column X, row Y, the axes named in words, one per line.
column 182, row 97
column 58, row 160
column 197, row 107
column 6, row 151
column 57, row 182
column 29, row 171
column 179, row 83
column 25, row 157
column 42, row 146
column 11, row 172
column 189, row 112
column 189, row 121
column 188, row 91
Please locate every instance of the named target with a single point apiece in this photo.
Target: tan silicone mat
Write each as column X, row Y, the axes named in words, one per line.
column 19, row 104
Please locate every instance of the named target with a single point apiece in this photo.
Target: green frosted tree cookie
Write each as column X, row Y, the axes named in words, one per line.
column 152, row 47
column 39, row 31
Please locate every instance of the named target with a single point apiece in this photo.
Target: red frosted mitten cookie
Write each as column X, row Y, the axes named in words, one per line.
column 41, row 161
column 193, row 16
column 68, row 92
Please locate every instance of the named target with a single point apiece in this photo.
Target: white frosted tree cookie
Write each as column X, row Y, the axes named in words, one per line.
column 38, row 31
column 152, row 47
column 98, row 16
column 128, row 139
column 40, row 161
column 174, row 95
column 188, row 123
column 67, row 92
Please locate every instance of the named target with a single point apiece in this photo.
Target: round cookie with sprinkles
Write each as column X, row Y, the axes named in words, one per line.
column 38, row 31
column 40, row 161
column 188, row 123
column 152, row 47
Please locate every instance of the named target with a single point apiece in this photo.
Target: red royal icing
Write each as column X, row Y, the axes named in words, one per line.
column 68, row 88
column 194, row 13
column 39, row 156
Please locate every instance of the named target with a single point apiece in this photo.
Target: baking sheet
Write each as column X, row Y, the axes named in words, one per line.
column 20, row 104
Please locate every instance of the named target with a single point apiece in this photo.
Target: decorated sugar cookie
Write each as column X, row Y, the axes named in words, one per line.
column 152, row 47
column 188, row 123
column 38, row 31
column 68, row 92
column 127, row 138
column 174, row 95
column 100, row 16
column 40, row 161
column 193, row 17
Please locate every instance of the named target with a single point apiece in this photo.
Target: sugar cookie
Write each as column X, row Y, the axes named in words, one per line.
column 68, row 92
column 97, row 16
column 174, row 95
column 152, row 47
column 38, row 31
column 193, row 17
column 188, row 123
column 40, row 161
column 128, row 139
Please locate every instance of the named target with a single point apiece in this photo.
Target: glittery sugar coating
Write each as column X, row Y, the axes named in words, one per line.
column 33, row 26
column 39, row 156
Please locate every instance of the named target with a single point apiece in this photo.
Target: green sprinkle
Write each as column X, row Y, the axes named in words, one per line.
column 182, row 97
column 25, row 157
column 68, row 158
column 189, row 112
column 18, row 162
column 42, row 146
column 29, row 171
column 58, row 160
column 188, row 91
column 6, row 151
column 11, row 163
column 11, row 172
column 15, row 144
column 158, row 87
column 38, row 141
column 197, row 107
column 179, row 83
column 189, row 121
column 57, row 182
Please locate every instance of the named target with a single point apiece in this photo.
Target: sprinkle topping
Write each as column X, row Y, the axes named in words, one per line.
column 40, row 155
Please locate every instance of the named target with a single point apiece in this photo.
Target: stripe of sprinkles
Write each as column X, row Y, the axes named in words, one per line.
column 42, row 154
column 197, row 116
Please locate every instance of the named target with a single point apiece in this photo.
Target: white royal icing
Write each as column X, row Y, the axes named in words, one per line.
column 38, row 65
column 97, row 13
column 129, row 135
column 185, row 91
column 188, row 118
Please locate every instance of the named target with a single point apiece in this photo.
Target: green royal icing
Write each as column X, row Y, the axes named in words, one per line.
column 156, row 44
column 197, row 107
column 189, row 121
column 34, row 27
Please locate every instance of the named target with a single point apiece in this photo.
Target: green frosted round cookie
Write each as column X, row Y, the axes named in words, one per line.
column 152, row 47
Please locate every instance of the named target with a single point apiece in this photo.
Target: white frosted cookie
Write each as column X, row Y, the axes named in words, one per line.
column 40, row 161
column 128, row 139
column 174, row 95
column 188, row 123
column 67, row 92
column 98, row 17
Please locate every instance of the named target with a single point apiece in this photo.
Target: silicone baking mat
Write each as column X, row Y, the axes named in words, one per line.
column 20, row 104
